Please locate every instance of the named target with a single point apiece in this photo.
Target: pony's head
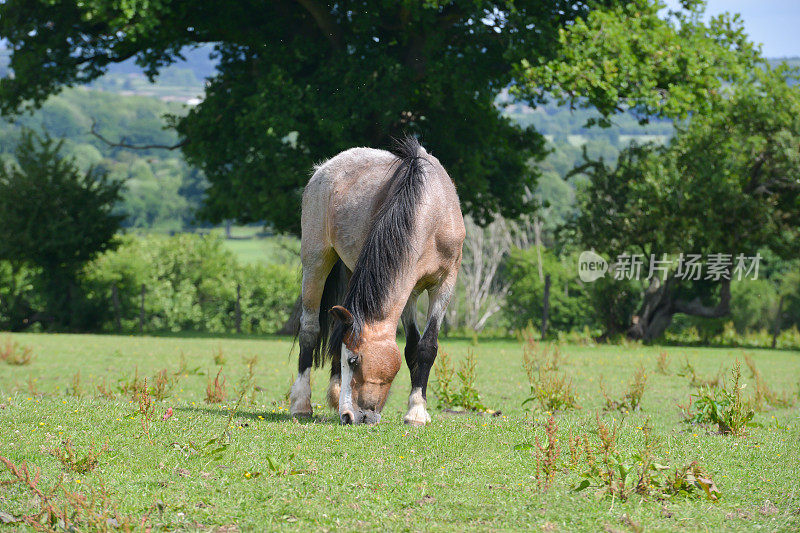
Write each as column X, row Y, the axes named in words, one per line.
column 369, row 364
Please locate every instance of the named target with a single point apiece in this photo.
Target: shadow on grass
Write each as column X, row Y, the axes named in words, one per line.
column 259, row 416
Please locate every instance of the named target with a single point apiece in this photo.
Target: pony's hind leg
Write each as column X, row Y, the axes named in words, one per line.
column 315, row 272
column 427, row 348
column 409, row 318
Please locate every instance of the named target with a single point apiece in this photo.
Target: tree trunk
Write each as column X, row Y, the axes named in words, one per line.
column 660, row 305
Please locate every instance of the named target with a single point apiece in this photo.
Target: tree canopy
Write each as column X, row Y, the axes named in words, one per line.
column 55, row 219
column 727, row 183
column 301, row 80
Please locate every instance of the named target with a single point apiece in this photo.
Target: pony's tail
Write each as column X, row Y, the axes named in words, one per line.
column 332, row 294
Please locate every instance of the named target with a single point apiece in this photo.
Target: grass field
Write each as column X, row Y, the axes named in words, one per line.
column 251, row 248
column 460, row 472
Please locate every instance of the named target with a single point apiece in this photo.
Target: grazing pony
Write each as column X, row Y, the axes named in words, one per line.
column 378, row 229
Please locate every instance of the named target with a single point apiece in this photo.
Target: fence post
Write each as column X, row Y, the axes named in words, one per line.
column 545, row 304
column 141, row 310
column 777, row 329
column 238, row 308
column 115, row 302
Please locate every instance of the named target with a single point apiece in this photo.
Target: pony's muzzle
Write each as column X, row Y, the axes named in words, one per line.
column 359, row 417
column 349, row 417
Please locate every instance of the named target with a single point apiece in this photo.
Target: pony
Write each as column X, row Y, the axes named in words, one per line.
column 378, row 228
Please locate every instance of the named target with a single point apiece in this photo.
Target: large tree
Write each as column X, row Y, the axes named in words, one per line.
column 54, row 219
column 300, row 80
column 727, row 183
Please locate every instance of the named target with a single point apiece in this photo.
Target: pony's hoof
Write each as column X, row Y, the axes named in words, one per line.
column 417, row 417
column 301, row 410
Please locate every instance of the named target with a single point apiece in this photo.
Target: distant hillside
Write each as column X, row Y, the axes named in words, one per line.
column 161, row 191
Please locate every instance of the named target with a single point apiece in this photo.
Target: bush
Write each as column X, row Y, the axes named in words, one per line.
column 190, row 284
column 613, row 304
column 569, row 306
column 753, row 304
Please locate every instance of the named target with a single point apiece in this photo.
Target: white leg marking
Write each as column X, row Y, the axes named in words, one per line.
column 301, row 394
column 417, row 409
column 346, row 390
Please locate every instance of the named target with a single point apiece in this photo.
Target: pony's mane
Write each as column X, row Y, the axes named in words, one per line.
column 387, row 247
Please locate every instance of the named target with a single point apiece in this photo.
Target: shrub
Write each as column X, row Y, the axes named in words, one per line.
column 215, row 390
column 632, row 399
column 753, row 304
column 547, row 455
column 12, row 353
column 537, row 355
column 552, row 391
column 190, row 283
column 467, row 395
column 726, row 408
column 569, row 306
column 764, row 395
column 662, row 363
column 613, row 304
column 614, row 474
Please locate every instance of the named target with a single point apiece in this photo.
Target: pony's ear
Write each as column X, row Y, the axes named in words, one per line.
column 342, row 315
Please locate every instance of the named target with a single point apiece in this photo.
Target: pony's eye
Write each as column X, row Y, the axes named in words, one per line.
column 352, row 360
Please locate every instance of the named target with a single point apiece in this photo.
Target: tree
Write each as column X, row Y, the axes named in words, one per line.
column 54, row 220
column 301, row 80
column 727, row 183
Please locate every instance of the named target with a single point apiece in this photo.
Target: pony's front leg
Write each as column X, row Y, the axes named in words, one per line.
column 316, row 267
column 300, row 397
column 427, row 348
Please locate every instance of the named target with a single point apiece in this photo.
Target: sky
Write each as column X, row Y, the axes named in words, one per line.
column 773, row 23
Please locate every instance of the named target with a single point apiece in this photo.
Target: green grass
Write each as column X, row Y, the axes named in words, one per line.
column 250, row 248
column 460, row 472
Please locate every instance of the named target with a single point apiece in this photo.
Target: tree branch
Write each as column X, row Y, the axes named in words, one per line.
column 123, row 144
column 696, row 308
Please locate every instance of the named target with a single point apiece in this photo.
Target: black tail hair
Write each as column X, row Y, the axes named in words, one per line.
column 387, row 246
column 332, row 294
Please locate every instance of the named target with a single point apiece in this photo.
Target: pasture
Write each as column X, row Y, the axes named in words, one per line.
column 463, row 471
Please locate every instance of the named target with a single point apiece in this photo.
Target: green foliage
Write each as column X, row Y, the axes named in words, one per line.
column 632, row 399
column 55, row 219
column 613, row 304
column 619, row 475
column 190, row 284
column 430, row 68
column 725, row 408
column 161, row 190
column 633, row 56
column 569, row 307
column 655, row 200
column 466, row 396
column 552, row 391
column 753, row 304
